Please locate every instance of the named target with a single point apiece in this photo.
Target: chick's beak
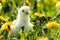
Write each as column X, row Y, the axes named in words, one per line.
column 26, row 13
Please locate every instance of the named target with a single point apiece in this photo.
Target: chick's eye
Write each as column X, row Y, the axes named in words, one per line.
column 22, row 10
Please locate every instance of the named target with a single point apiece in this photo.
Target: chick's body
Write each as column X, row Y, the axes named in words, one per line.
column 19, row 23
column 22, row 20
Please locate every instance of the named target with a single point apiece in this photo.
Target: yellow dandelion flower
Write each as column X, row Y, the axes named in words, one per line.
column 54, row 1
column 42, row 38
column 3, row 1
column 39, row 14
column 58, row 5
column 2, row 18
column 46, row 1
column 6, row 26
column 27, row 3
column 52, row 24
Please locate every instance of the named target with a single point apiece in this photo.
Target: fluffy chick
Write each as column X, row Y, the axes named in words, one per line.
column 22, row 19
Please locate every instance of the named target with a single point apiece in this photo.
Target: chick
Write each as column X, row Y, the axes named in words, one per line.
column 22, row 20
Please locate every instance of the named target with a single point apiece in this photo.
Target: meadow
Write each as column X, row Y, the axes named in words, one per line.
column 44, row 15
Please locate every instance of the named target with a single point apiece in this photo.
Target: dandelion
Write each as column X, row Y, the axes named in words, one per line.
column 42, row 38
column 58, row 5
column 2, row 18
column 28, row 3
column 54, row 1
column 46, row 1
column 58, row 9
column 39, row 14
column 52, row 24
column 6, row 26
column 3, row 1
